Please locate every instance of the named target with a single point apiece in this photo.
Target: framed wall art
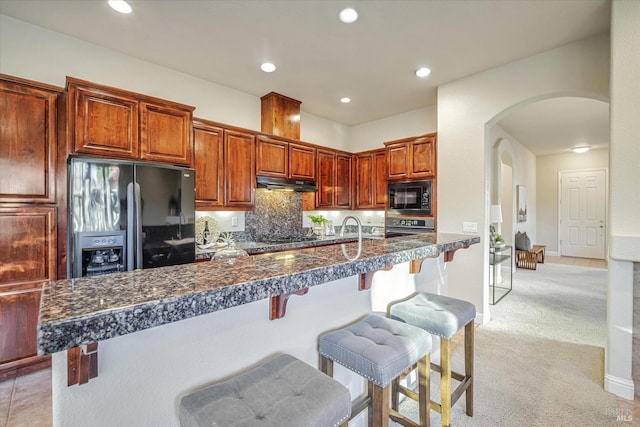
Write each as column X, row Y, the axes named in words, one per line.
column 522, row 203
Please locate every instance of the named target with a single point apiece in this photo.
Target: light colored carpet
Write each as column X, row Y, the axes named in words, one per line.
column 540, row 360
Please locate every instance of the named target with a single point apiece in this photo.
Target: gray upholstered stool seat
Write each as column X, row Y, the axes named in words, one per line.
column 437, row 314
column 380, row 349
column 442, row 316
column 282, row 392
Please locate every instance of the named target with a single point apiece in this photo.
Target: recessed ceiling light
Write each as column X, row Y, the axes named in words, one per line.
column 268, row 67
column 120, row 6
column 345, row 100
column 581, row 149
column 423, row 72
column 348, row 15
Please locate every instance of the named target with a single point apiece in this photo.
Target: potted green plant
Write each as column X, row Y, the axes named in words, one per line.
column 319, row 224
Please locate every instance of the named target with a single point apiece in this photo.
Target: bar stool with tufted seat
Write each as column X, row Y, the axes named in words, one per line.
column 380, row 349
column 442, row 316
column 284, row 392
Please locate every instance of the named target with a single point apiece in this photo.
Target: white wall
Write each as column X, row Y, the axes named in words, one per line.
column 548, row 168
column 373, row 135
column 38, row 54
column 624, row 196
column 523, row 164
column 467, row 108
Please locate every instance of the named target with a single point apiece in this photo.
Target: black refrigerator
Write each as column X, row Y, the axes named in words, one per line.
column 126, row 215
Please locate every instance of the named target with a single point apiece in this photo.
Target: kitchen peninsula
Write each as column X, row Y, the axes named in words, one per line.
column 215, row 320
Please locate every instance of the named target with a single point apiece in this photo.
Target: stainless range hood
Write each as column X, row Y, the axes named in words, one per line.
column 283, row 184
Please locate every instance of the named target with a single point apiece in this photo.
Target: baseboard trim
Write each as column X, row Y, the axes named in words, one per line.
column 24, row 366
column 552, row 253
column 619, row 386
column 481, row 319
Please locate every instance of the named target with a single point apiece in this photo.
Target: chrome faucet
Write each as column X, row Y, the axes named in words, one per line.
column 342, row 228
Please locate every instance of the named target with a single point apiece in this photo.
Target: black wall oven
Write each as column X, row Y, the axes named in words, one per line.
column 410, row 198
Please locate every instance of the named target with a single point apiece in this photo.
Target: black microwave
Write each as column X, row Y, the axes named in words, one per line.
column 411, row 198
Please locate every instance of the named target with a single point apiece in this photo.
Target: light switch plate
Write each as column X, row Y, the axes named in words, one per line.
column 469, row 227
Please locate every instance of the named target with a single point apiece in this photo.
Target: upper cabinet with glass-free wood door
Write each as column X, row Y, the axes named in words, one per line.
column 370, row 189
column 279, row 158
column 28, row 141
column 333, row 180
column 209, row 164
column 109, row 122
column 225, row 161
column 412, row 158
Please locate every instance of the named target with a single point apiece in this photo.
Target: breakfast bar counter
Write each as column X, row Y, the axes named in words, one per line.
column 85, row 310
column 162, row 333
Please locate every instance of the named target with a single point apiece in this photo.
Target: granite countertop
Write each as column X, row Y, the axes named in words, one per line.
column 254, row 248
column 80, row 311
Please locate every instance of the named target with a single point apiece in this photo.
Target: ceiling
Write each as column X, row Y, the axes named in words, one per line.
column 321, row 60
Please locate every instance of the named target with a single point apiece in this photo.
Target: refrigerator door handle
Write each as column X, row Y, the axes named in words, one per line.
column 138, row 225
column 130, row 224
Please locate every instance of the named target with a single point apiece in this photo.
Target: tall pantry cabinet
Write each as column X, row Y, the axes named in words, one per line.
column 29, row 215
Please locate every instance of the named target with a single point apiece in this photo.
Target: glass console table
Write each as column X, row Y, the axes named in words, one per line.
column 499, row 257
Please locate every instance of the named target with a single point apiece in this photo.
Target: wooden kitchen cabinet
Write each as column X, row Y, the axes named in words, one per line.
column 239, row 169
column 32, row 193
column 279, row 158
column 225, row 161
column 28, row 256
column 343, row 181
column 28, row 141
column 370, row 189
column 333, row 179
column 272, row 157
column 302, row 162
column 326, row 175
column 109, row 122
column 19, row 319
column 209, row 166
column 165, row 134
column 102, row 122
column 412, row 158
column 29, row 245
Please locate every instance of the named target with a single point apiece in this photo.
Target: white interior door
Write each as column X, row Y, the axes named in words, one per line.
column 582, row 213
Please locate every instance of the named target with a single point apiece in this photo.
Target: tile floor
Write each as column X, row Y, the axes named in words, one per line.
column 26, row 401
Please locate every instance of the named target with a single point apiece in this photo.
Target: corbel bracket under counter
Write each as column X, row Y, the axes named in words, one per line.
column 279, row 303
column 415, row 265
column 82, row 364
column 366, row 279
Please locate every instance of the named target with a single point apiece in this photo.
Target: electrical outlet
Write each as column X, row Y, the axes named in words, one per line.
column 469, row 227
column 234, row 221
column 368, row 220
